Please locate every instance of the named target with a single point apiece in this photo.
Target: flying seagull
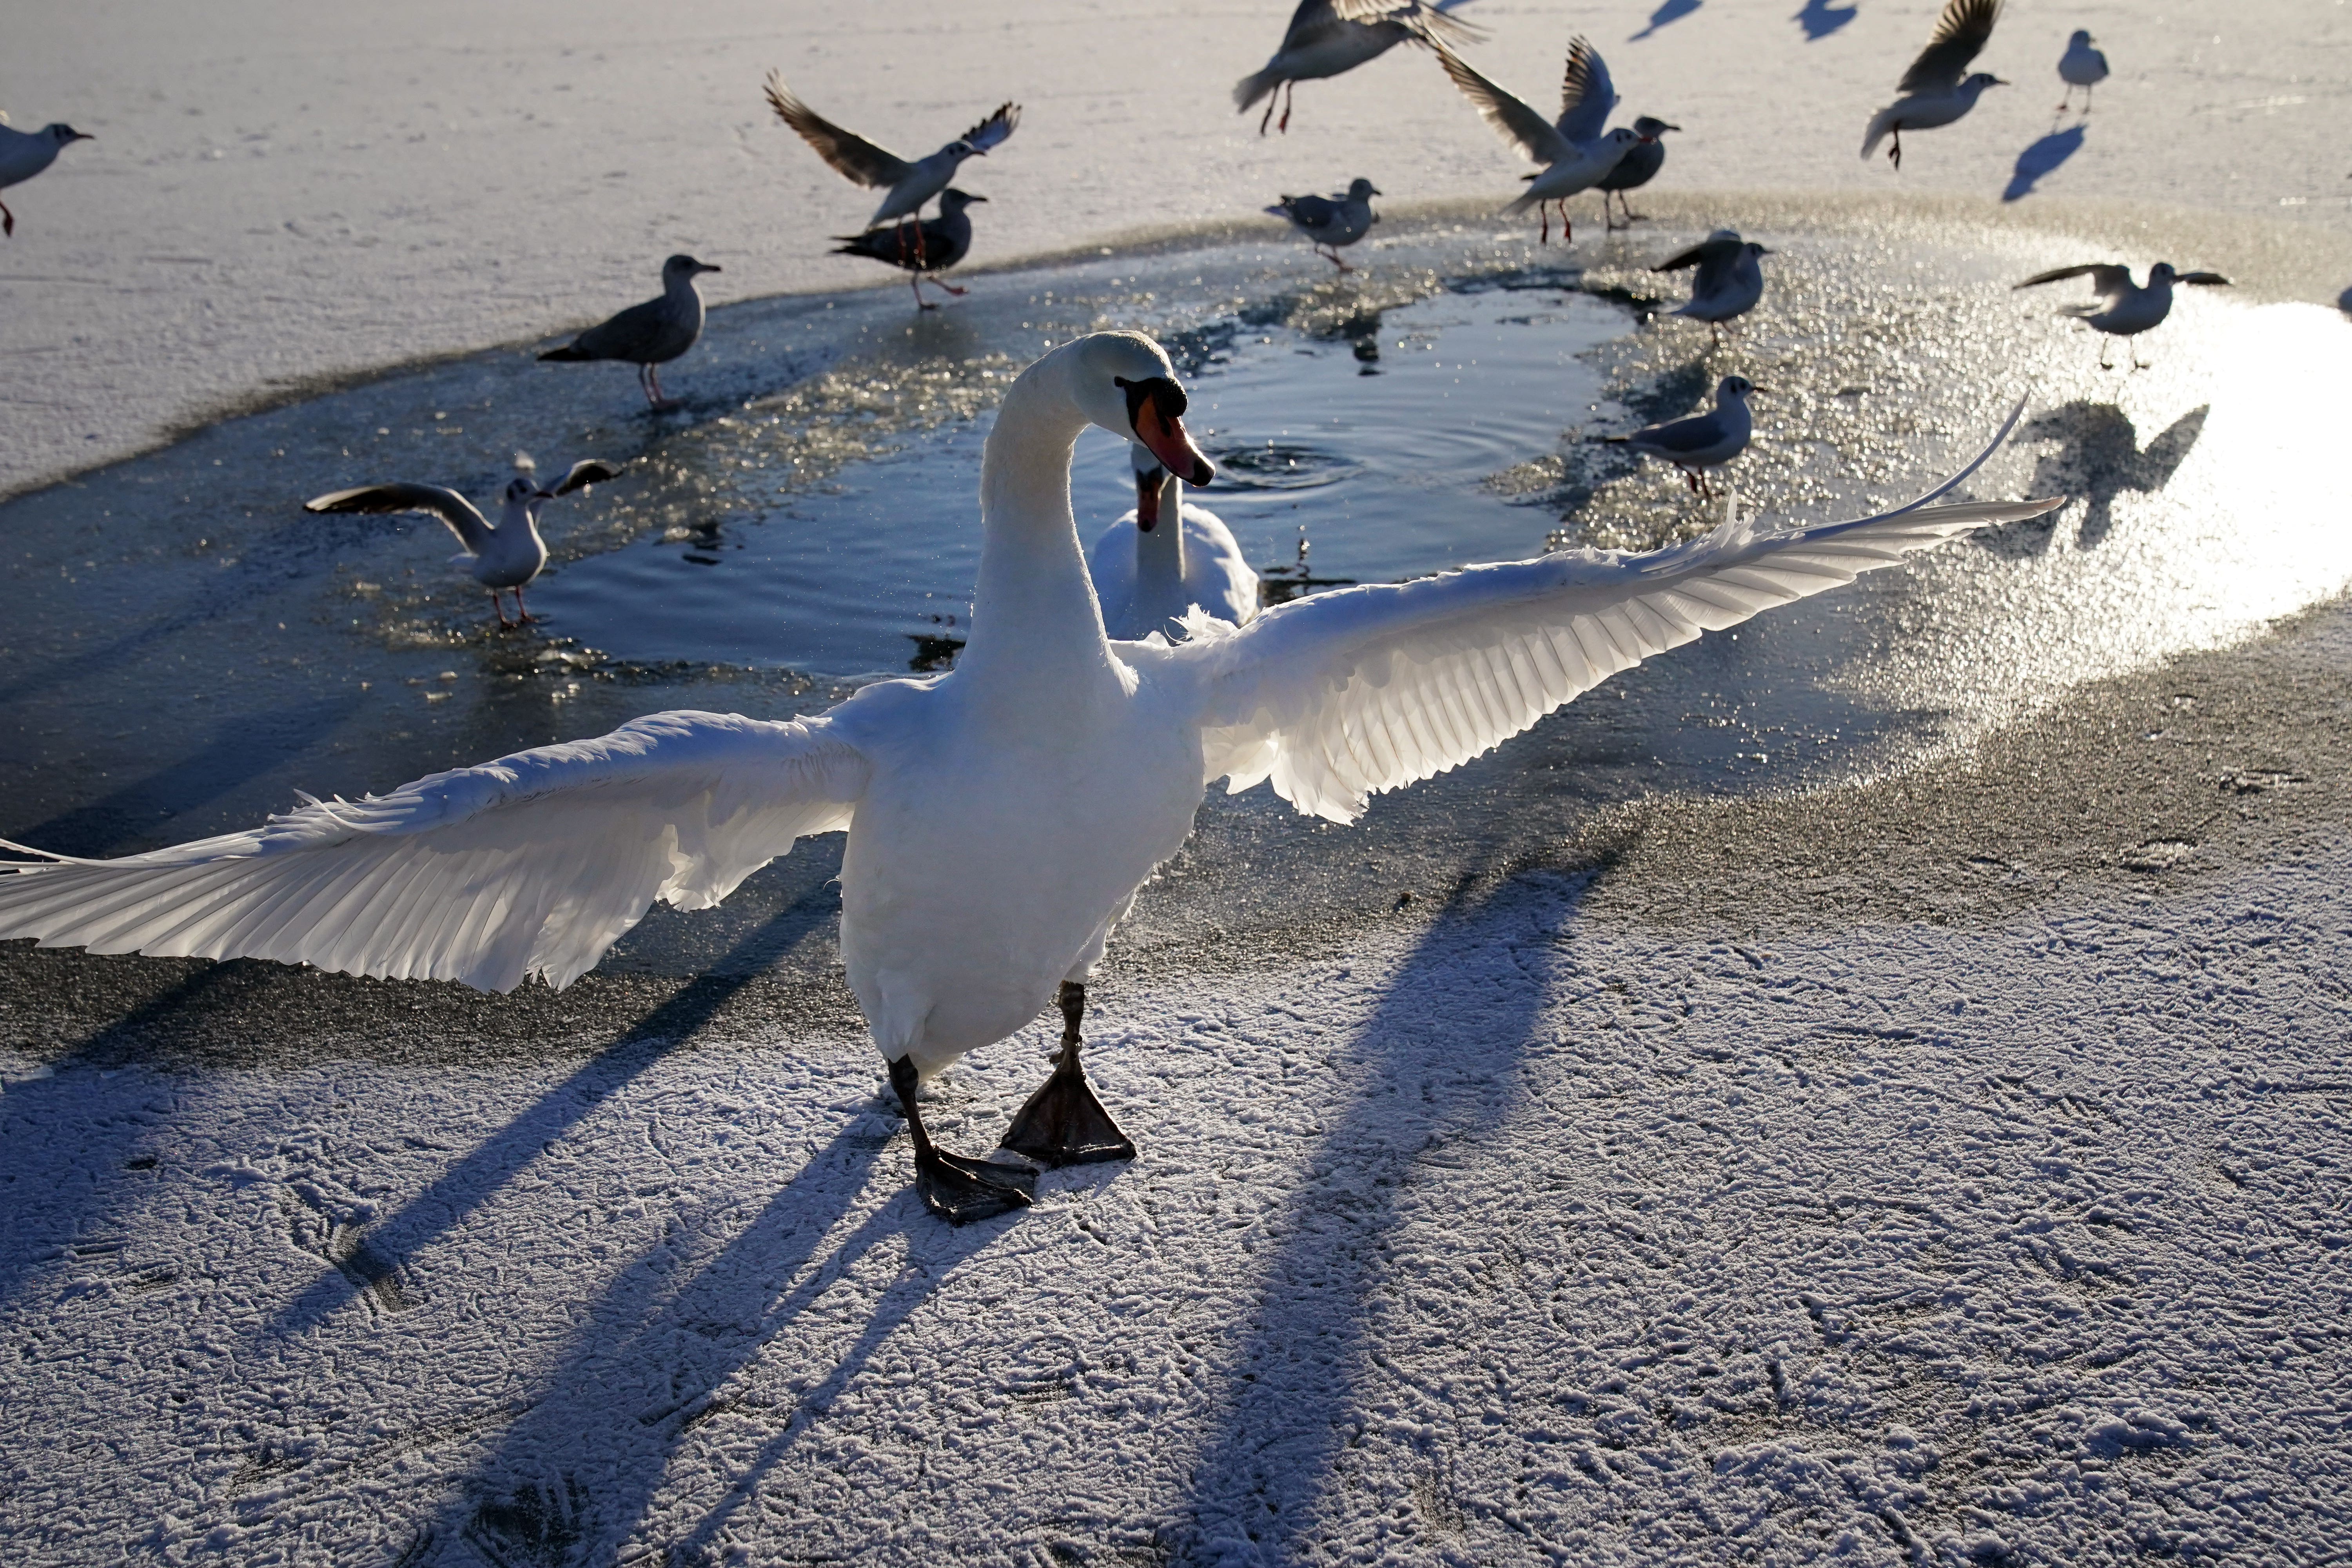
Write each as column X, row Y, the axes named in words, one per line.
column 506, row 557
column 649, row 335
column 1570, row 165
column 1933, row 90
column 25, row 154
column 905, row 185
column 1329, row 38
column 2122, row 308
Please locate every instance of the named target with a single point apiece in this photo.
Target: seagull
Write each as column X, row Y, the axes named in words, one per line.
column 1639, row 165
column 906, row 187
column 1727, row 283
column 2123, row 310
column 1003, row 815
column 1702, row 441
column 1933, row 92
column 1329, row 38
column 1570, row 165
column 922, row 248
column 506, row 557
column 2081, row 65
column 1149, row 571
column 649, row 335
column 25, row 154
column 1330, row 222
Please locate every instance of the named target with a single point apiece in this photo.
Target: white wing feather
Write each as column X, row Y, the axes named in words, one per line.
column 533, row 864
column 1341, row 696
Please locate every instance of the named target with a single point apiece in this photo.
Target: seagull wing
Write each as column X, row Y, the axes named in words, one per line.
column 530, row 865
column 587, row 471
column 1692, row 435
column 1586, row 94
column 1700, row 254
column 1339, row 696
column 852, row 156
column 993, row 130
column 1962, row 31
column 472, row 530
column 1314, row 19
column 1518, row 124
column 2106, row 278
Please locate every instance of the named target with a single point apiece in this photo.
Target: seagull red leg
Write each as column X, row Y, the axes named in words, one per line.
column 7, row 219
column 1289, row 92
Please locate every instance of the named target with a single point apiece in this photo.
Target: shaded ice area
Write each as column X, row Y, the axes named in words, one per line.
column 1518, row 1237
column 282, row 193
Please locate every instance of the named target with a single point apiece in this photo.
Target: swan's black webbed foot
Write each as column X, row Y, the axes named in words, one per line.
column 1063, row 1123
column 956, row 1189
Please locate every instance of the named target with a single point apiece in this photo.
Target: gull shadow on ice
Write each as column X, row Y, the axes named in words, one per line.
column 2098, row 459
column 376, row 1260
column 2344, row 302
column 1436, row 1075
column 1819, row 19
column 2041, row 159
column 1667, row 15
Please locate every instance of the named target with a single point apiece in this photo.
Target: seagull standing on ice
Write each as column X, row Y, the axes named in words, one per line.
column 1002, row 817
column 1727, row 283
column 25, row 154
column 504, row 557
column 649, row 335
column 931, row 245
column 1933, row 90
column 1702, row 441
column 1570, row 165
column 1153, row 565
column 905, row 185
column 2081, row 65
column 1330, row 222
column 1329, row 38
column 1637, row 168
column 2123, row 310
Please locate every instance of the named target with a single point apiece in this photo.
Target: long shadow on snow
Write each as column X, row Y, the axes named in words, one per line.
column 381, row 1253
column 1439, row 1073
column 653, row 1365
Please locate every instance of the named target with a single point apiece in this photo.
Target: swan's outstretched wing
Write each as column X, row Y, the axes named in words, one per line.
column 1586, row 94
column 533, row 864
column 1338, row 697
column 852, row 157
column 1517, row 123
column 1961, row 32
column 472, row 530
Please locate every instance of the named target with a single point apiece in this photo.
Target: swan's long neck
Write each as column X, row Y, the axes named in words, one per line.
column 1033, row 610
column 1160, row 554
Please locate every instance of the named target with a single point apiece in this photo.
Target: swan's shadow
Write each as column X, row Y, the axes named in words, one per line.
column 2098, row 459
column 1671, row 12
column 1819, row 19
column 1431, row 1096
column 2041, row 159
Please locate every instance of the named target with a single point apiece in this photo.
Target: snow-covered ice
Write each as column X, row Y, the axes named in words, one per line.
column 1517, row 1236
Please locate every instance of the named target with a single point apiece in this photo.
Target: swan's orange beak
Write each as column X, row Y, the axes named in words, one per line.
column 1146, row 498
column 1166, row 435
